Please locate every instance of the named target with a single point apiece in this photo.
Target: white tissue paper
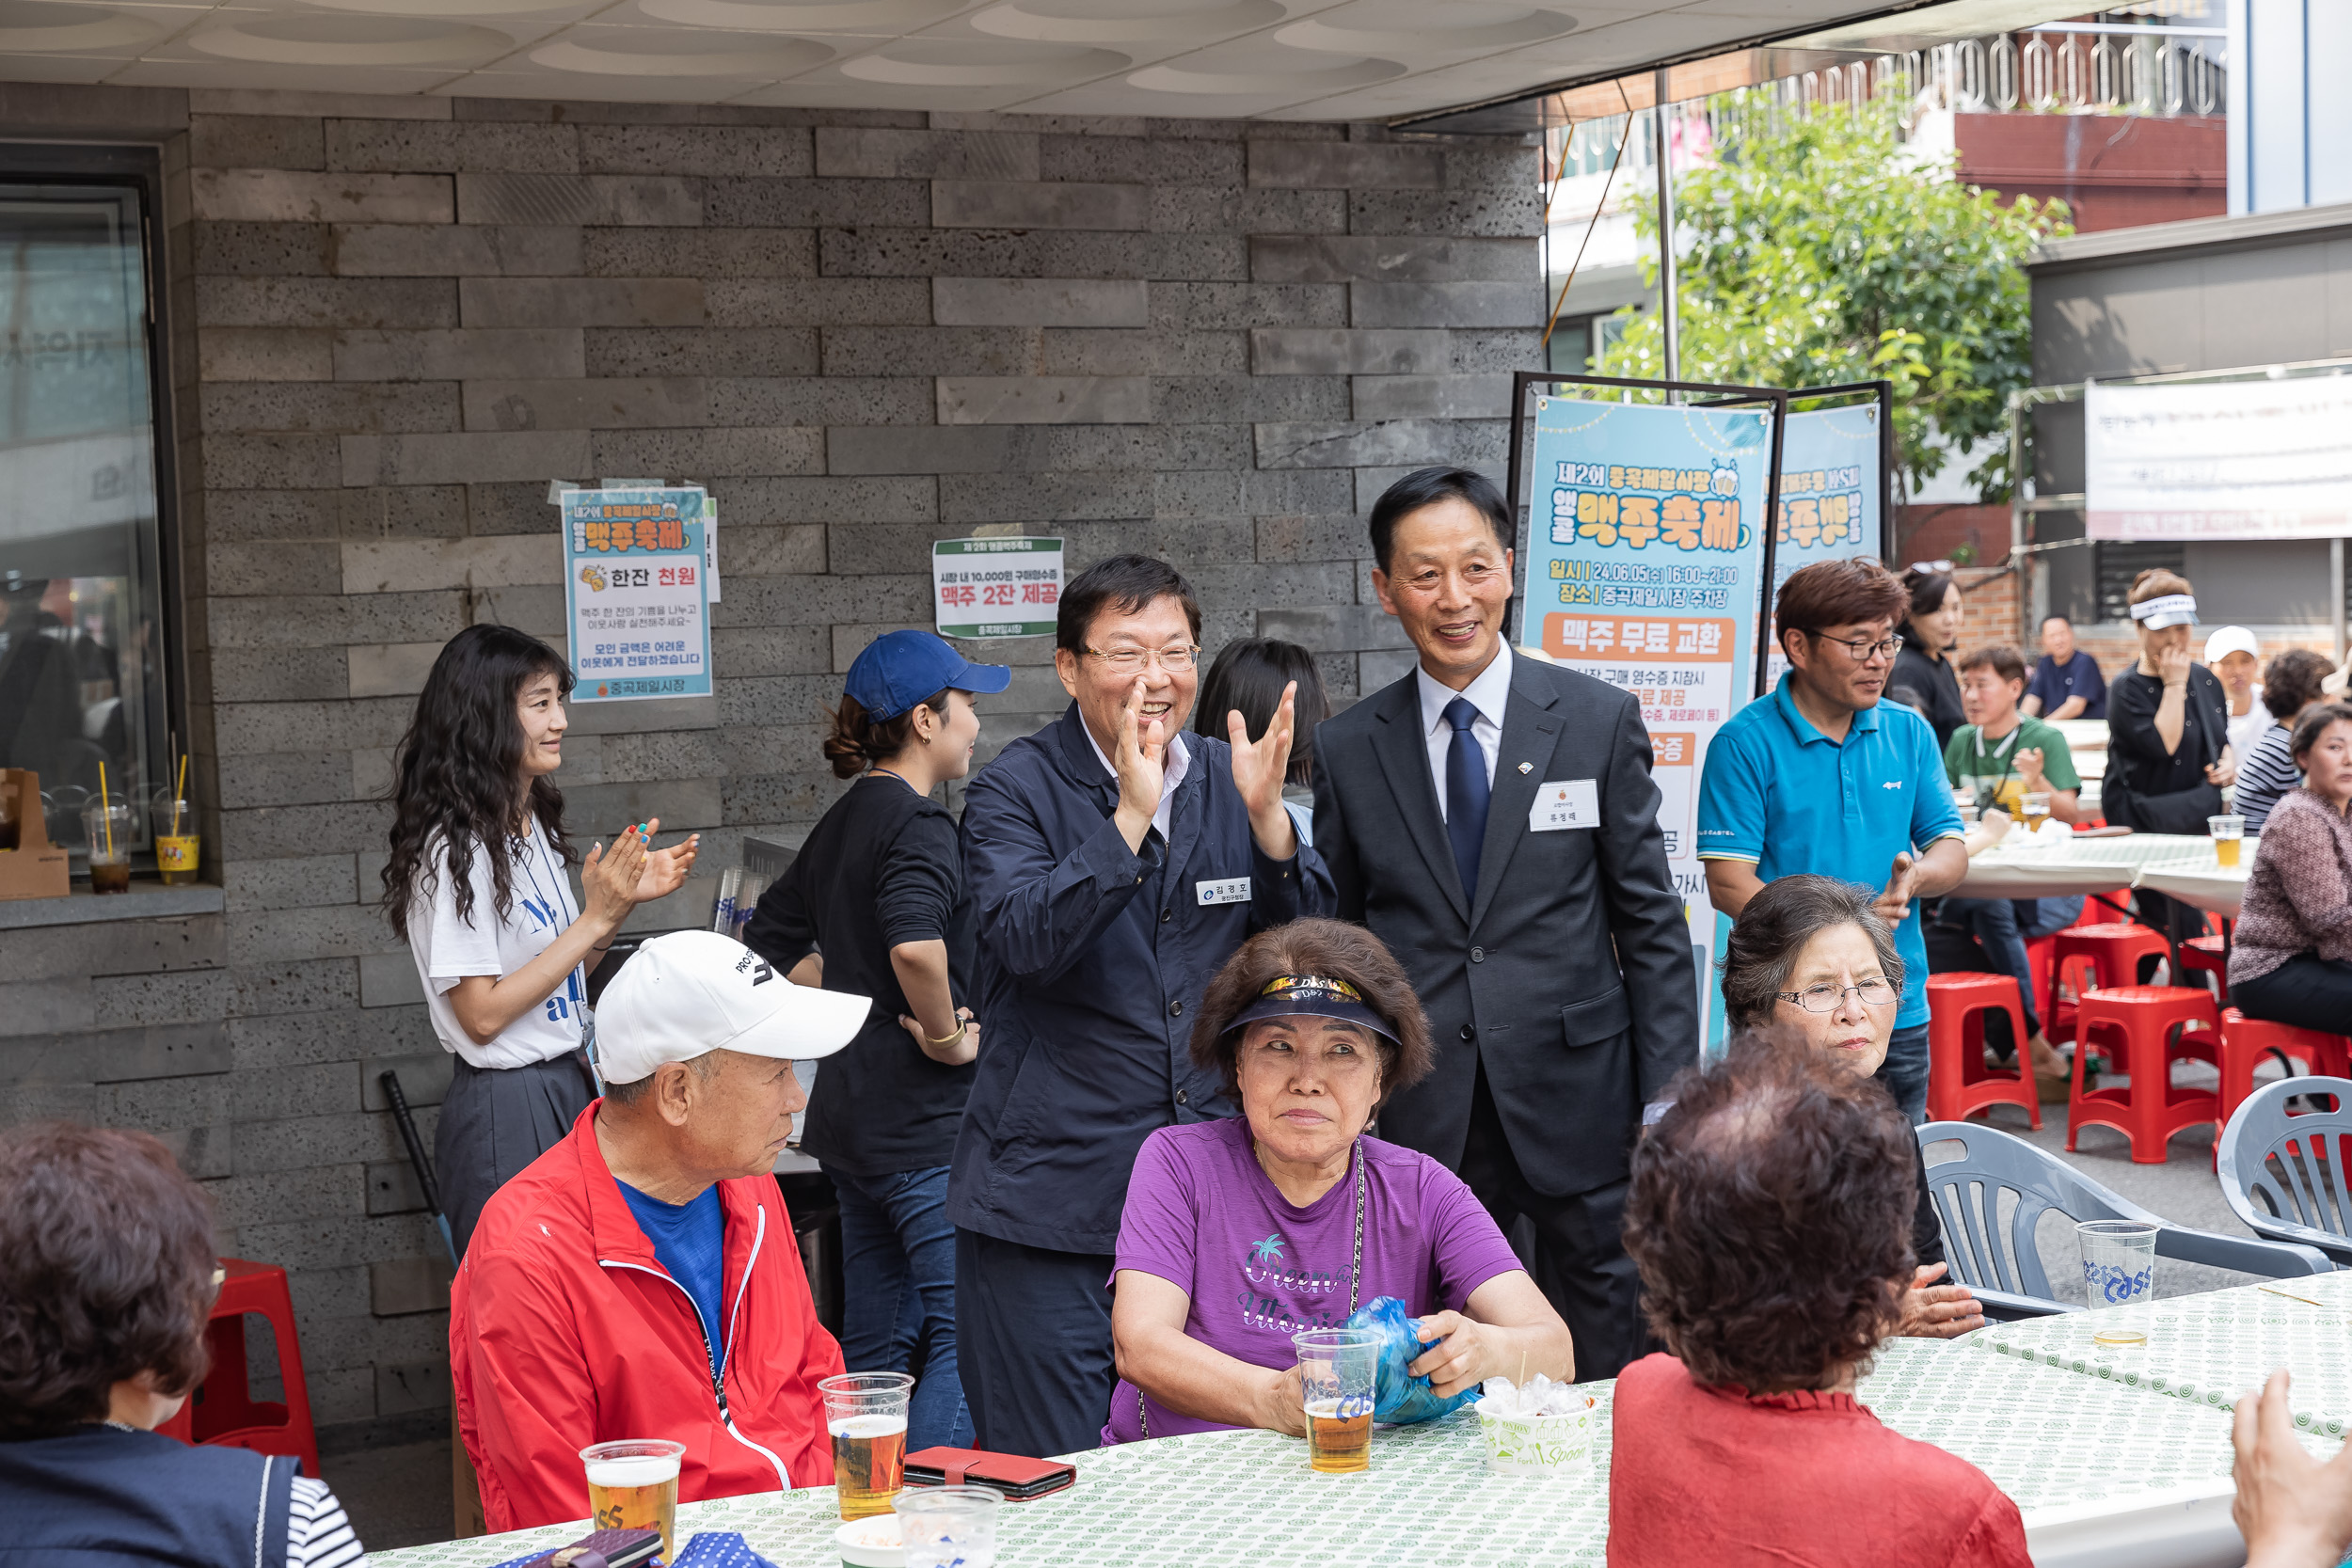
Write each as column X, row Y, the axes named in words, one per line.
column 1538, row 1396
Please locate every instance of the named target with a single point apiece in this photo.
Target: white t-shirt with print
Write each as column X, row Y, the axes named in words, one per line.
column 447, row 949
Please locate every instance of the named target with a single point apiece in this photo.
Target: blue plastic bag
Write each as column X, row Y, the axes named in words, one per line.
column 1399, row 1397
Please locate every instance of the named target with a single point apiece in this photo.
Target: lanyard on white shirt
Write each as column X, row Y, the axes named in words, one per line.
column 575, row 990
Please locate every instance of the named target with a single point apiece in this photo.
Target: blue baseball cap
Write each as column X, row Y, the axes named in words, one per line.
column 899, row 670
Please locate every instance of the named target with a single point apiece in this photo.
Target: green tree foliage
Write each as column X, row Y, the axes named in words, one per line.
column 1819, row 249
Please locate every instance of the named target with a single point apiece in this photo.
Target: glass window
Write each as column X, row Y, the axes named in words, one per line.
column 81, row 594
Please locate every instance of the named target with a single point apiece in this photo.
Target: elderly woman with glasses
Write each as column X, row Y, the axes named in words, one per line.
column 1239, row 1233
column 1811, row 964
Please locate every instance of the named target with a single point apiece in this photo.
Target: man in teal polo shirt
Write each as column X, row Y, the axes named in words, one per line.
column 1821, row 776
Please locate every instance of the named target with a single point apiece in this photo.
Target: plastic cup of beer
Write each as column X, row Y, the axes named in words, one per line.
column 1336, row 1368
column 949, row 1527
column 2228, row 833
column 866, row 1415
column 2119, row 1261
column 633, row 1485
column 2035, row 806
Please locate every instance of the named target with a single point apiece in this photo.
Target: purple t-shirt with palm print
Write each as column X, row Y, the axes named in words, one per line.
column 1203, row 1215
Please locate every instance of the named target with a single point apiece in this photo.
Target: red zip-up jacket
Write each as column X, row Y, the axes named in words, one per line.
column 563, row 1330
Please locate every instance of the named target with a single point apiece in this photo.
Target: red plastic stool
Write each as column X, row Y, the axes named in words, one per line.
column 2210, row 956
column 2095, row 958
column 222, row 1409
column 1959, row 1083
column 2132, row 1026
column 2246, row 1040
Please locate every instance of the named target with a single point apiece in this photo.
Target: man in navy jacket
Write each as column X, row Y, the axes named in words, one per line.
column 1115, row 864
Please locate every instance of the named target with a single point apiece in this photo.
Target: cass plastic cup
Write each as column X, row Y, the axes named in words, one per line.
column 2228, row 833
column 866, row 1415
column 633, row 1485
column 1336, row 1371
column 949, row 1527
column 2119, row 1261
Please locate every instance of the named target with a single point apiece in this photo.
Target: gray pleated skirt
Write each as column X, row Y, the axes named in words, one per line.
column 496, row 1120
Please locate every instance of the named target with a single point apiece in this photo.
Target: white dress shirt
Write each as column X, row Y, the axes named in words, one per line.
column 1488, row 693
column 1174, row 764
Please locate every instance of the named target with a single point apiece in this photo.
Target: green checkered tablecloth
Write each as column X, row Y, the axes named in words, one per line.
column 2052, row 1439
column 2211, row 1349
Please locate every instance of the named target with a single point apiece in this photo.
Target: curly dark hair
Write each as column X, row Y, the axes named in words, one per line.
column 458, row 772
column 1770, row 1218
column 859, row 740
column 1338, row 951
column 105, row 1272
column 2291, row 682
column 1773, row 928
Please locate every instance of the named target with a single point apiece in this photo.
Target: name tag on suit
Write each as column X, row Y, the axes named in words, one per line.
column 1234, row 889
column 1563, row 803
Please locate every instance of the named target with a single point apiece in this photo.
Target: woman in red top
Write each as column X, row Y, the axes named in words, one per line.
column 1770, row 1219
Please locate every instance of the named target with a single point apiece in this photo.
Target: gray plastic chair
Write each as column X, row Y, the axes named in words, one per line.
column 2284, row 1175
column 2000, row 1262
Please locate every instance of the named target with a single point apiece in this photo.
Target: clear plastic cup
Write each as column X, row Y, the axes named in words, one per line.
column 2119, row 1261
column 107, row 829
column 865, row 1413
column 1336, row 1371
column 2228, row 833
column 632, row 1484
column 949, row 1527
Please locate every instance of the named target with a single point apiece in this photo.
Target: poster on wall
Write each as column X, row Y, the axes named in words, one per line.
column 2258, row 459
column 1833, row 500
column 1645, row 565
column 995, row 587
column 636, row 593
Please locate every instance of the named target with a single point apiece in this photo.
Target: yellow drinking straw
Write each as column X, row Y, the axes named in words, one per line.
column 106, row 810
column 178, row 794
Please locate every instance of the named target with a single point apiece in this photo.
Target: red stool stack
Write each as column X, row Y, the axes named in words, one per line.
column 2133, row 1027
column 1959, row 1083
column 2095, row 958
column 223, row 1410
column 2246, row 1040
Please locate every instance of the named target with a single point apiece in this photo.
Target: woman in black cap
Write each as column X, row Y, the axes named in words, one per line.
column 877, row 891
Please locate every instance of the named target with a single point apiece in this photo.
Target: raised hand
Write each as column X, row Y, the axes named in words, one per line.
column 609, row 879
column 2172, row 664
column 665, row 870
column 1259, row 769
column 1141, row 763
column 1895, row 903
column 2029, row 770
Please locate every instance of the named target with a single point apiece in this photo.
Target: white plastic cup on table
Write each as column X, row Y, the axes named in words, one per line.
column 632, row 1484
column 2119, row 1261
column 1337, row 1368
column 865, row 1414
column 2227, row 832
column 947, row 1526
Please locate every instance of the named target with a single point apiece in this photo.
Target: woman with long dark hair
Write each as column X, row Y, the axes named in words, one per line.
column 479, row 883
column 1922, row 677
column 877, row 887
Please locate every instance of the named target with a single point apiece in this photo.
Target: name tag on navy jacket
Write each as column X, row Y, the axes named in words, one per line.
column 1233, row 890
column 1565, row 804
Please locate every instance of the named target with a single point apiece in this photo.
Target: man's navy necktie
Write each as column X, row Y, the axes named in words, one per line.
column 1466, row 791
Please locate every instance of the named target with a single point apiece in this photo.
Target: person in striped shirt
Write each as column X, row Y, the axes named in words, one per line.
column 2290, row 685
column 107, row 1279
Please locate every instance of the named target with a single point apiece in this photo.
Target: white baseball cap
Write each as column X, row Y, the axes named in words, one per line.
column 2231, row 640
column 692, row 993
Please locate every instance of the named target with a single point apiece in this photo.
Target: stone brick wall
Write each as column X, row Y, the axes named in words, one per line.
column 393, row 321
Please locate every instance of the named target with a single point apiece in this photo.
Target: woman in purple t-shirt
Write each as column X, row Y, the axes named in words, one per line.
column 1238, row 1234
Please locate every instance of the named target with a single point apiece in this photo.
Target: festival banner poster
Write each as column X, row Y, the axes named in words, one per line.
column 2252, row 459
column 1644, row 566
column 636, row 593
column 1833, row 500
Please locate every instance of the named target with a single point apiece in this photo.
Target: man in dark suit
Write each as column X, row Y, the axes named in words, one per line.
column 1491, row 817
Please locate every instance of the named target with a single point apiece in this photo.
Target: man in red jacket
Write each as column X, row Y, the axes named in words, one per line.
column 639, row 1280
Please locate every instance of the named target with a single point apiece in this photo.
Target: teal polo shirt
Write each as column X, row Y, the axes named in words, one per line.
column 1782, row 796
